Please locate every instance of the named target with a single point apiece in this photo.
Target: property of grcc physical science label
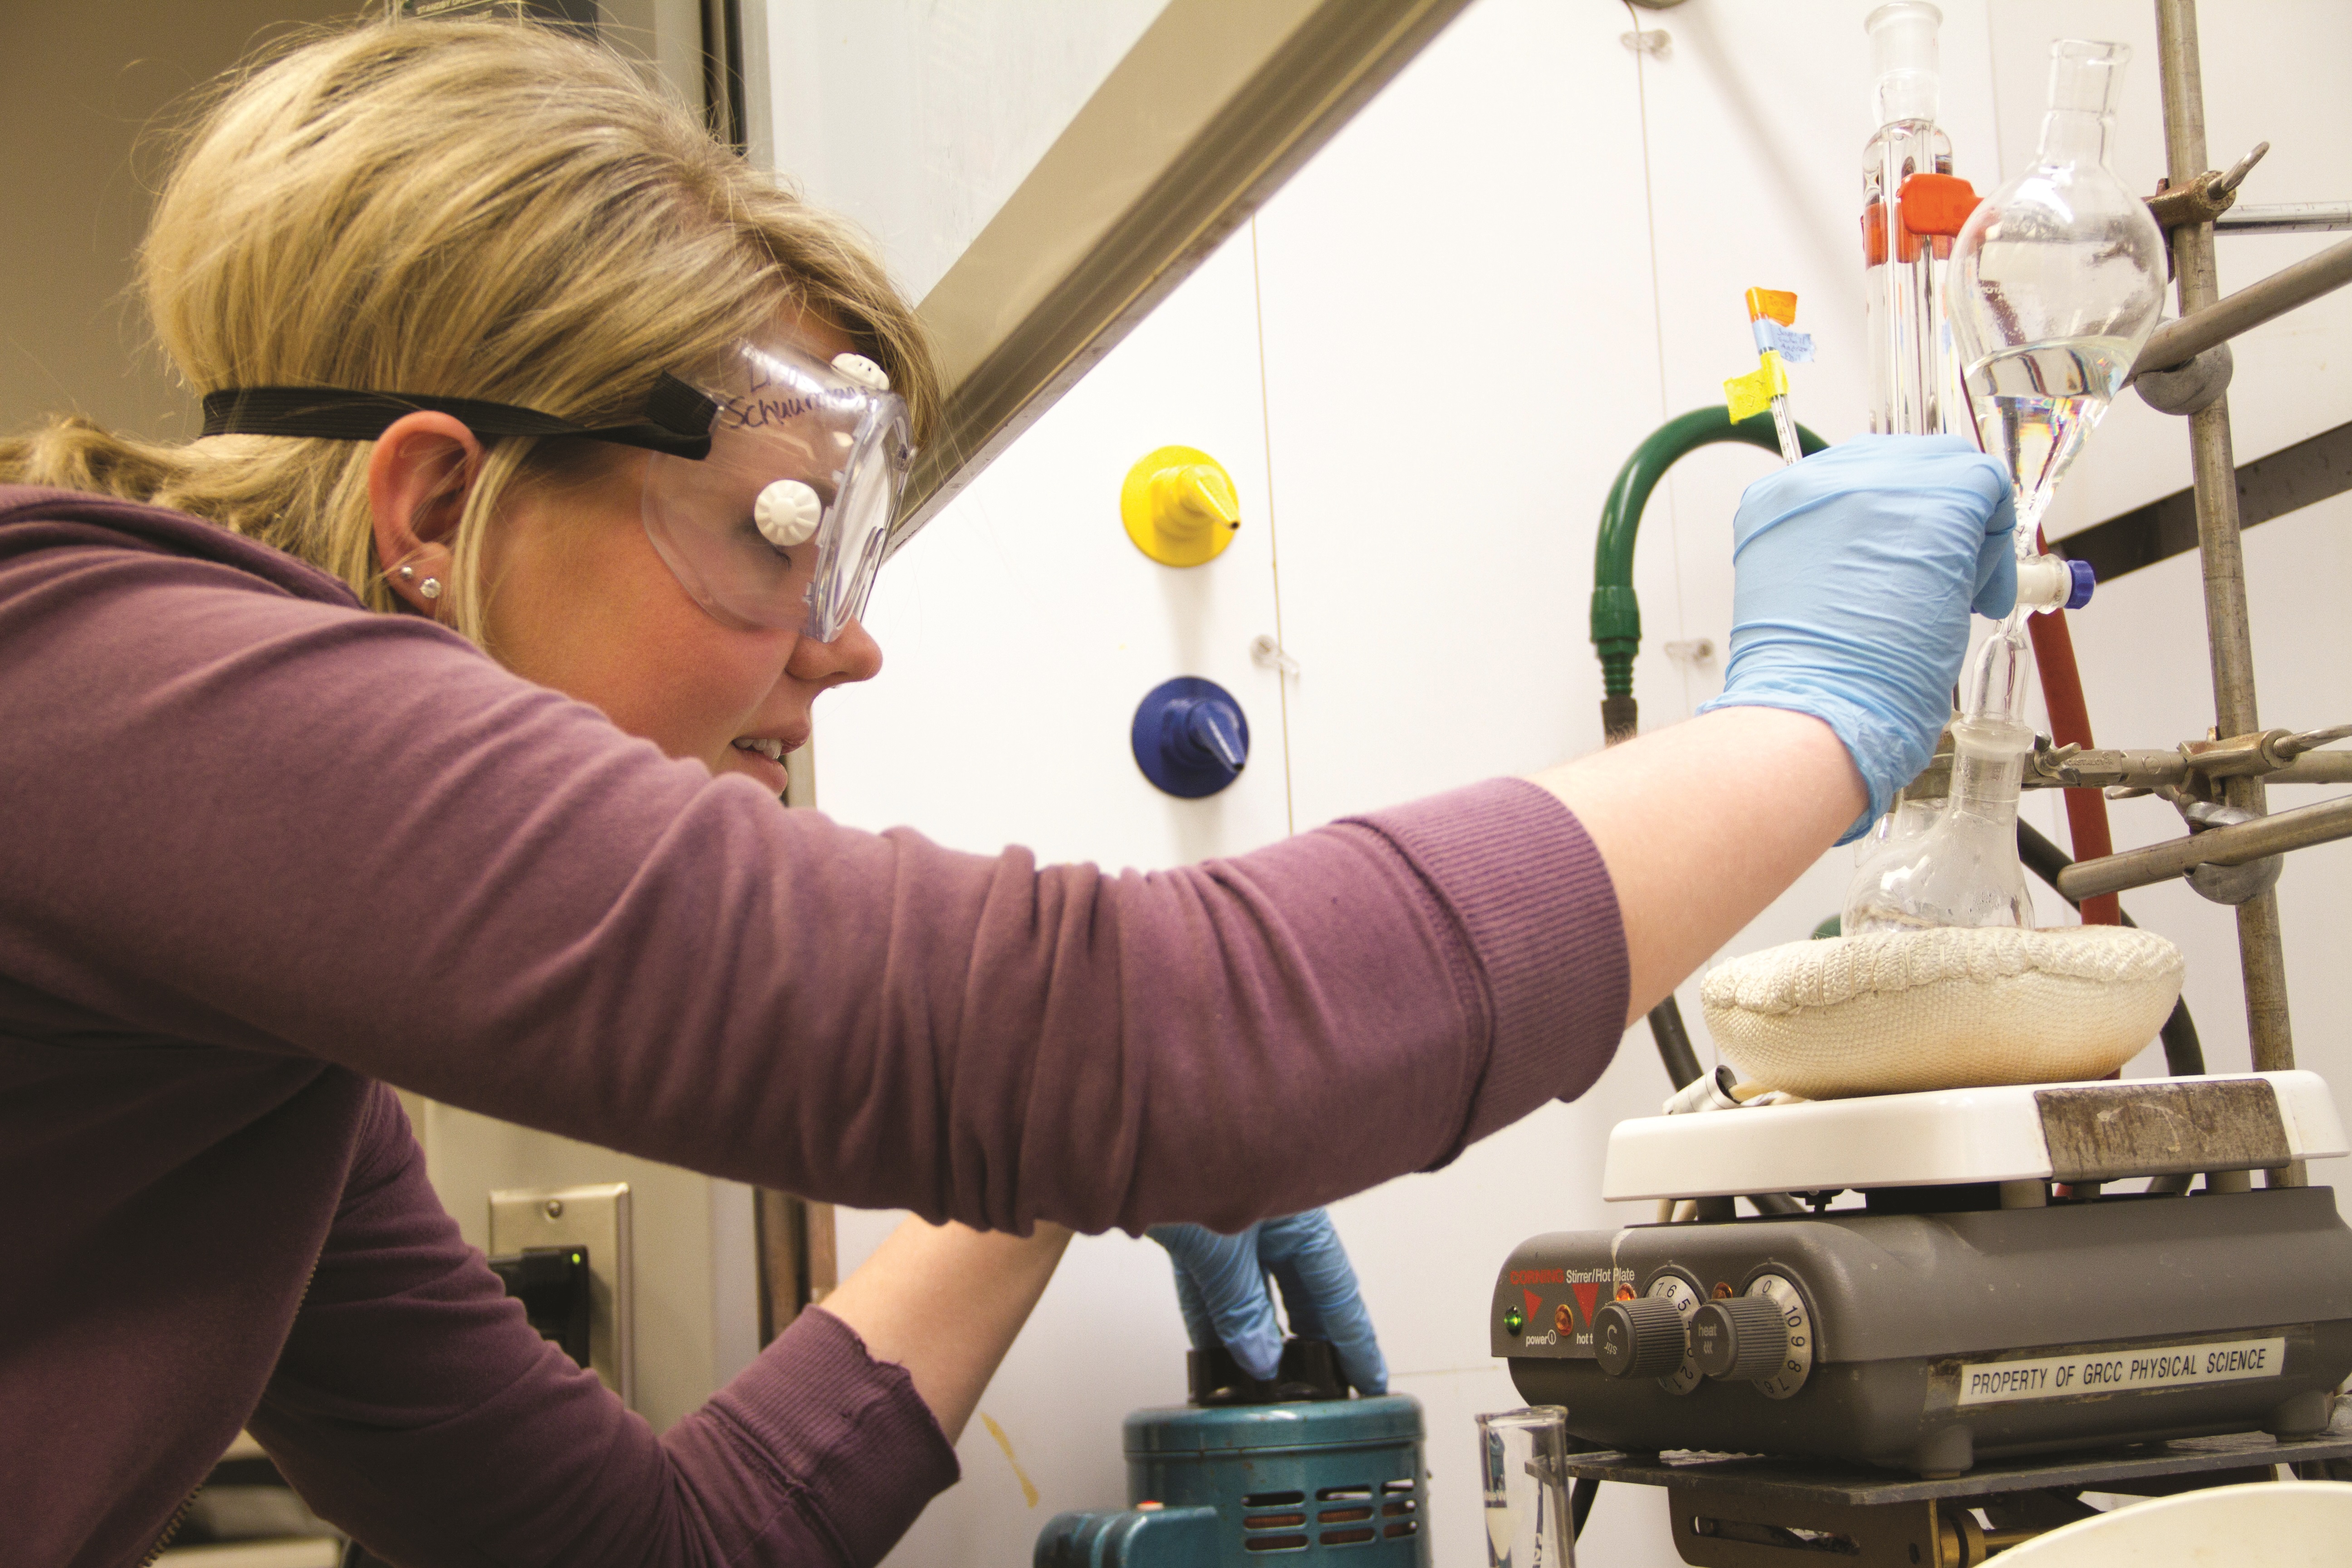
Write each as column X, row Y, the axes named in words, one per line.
column 2121, row 1371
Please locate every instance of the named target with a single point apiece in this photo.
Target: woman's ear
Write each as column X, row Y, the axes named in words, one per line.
column 422, row 469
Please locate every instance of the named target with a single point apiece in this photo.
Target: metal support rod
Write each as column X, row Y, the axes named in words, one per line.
column 2297, row 830
column 2286, row 218
column 2260, row 953
column 2200, row 327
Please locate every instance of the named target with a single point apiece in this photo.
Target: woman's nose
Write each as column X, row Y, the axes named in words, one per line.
column 853, row 655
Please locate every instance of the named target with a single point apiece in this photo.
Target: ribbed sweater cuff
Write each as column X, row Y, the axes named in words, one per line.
column 1535, row 903
column 858, row 1443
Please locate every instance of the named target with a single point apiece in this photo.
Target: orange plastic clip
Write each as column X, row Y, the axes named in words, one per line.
column 1874, row 235
column 1935, row 204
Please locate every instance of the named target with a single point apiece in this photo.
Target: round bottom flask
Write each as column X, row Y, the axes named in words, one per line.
column 1963, row 871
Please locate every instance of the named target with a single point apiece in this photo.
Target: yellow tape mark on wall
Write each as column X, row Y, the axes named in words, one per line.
column 1028, row 1487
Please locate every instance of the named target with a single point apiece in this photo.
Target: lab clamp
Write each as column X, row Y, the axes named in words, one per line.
column 1939, row 1374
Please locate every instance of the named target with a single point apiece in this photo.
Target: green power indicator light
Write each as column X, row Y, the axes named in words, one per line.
column 1514, row 1320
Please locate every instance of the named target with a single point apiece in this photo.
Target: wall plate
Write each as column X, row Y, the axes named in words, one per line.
column 596, row 1217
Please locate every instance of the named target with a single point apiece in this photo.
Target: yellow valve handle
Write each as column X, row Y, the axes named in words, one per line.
column 1192, row 498
column 1180, row 507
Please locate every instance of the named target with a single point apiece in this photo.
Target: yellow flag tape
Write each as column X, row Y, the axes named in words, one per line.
column 1752, row 393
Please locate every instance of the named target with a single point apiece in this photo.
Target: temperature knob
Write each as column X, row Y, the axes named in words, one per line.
column 1639, row 1337
column 1738, row 1339
column 1765, row 1337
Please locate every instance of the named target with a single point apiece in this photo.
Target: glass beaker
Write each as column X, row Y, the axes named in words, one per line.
column 1520, row 1458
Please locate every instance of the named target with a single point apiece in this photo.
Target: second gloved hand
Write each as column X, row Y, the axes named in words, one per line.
column 1220, row 1289
column 1854, row 571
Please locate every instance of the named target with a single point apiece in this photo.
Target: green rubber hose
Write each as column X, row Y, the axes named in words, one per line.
column 1616, row 614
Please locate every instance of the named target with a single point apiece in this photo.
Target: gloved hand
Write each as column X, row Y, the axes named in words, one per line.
column 1854, row 571
column 1220, row 1290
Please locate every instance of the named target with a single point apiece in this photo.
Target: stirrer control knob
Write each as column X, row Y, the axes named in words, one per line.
column 1639, row 1337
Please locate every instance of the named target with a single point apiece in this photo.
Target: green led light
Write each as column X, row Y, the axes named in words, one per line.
column 1513, row 1321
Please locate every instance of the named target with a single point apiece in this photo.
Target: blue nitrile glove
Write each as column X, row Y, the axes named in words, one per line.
column 1220, row 1290
column 1854, row 571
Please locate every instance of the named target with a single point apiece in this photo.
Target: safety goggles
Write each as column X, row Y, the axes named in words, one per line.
column 769, row 493
column 784, row 523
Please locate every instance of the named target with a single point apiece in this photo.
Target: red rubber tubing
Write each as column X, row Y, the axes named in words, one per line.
column 2070, row 724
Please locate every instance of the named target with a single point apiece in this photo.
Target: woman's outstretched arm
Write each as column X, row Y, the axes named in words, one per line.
column 1703, row 825
column 256, row 818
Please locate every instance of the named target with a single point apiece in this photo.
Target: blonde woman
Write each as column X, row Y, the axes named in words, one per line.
column 422, row 725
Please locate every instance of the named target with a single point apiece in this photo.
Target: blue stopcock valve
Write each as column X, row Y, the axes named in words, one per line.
column 1191, row 737
column 2084, row 580
column 2053, row 583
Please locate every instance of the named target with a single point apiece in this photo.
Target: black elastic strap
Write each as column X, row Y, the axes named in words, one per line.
column 677, row 421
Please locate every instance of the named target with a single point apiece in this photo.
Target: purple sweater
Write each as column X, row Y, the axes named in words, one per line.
column 264, row 851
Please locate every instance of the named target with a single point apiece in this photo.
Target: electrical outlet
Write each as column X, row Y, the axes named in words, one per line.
column 595, row 1217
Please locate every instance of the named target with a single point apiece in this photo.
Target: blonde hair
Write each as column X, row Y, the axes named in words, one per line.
column 480, row 209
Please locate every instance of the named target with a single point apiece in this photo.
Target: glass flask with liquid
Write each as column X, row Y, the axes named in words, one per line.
column 1962, row 869
column 2057, row 283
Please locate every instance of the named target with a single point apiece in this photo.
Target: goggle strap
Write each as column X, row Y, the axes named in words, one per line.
column 677, row 417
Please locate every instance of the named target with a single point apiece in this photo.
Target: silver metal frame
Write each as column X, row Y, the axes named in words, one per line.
column 2229, row 634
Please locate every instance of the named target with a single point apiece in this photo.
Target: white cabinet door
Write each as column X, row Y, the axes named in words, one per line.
column 1019, row 630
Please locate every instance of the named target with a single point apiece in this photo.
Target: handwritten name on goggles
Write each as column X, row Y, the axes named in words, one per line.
column 784, row 523
column 769, row 495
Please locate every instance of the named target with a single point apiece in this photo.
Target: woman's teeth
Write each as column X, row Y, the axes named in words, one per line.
column 772, row 750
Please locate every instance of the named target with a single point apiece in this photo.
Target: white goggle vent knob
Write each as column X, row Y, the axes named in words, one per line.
column 787, row 513
column 863, row 371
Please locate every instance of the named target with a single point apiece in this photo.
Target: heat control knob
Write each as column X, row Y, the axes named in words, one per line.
column 1639, row 1337
column 1738, row 1339
column 1765, row 1337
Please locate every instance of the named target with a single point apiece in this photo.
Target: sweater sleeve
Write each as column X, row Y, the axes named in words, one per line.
column 415, row 1408
column 254, row 820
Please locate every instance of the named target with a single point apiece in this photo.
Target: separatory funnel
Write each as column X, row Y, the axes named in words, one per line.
column 2056, row 282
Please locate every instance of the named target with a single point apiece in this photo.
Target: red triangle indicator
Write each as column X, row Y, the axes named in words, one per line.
column 1535, row 1305
column 1585, row 1296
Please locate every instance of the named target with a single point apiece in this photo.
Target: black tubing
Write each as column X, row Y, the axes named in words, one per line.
column 1675, row 1043
column 2184, row 1055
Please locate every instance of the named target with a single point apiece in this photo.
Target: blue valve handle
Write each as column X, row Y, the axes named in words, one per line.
column 1190, row 737
column 2084, row 579
column 1211, row 730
